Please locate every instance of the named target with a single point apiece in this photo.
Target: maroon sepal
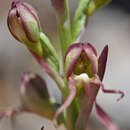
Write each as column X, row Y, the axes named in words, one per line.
column 102, row 62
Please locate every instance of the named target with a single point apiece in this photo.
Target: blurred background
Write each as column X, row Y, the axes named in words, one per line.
column 110, row 25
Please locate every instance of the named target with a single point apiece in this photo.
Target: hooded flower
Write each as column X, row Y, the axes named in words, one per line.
column 85, row 71
column 34, row 98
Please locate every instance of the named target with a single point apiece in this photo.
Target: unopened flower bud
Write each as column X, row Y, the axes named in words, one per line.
column 23, row 22
column 35, row 96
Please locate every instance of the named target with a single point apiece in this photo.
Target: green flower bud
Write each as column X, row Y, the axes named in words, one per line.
column 23, row 22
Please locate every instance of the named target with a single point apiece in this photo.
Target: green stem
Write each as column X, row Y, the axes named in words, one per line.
column 64, row 28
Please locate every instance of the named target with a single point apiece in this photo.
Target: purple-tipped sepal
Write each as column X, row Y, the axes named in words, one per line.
column 102, row 60
column 105, row 119
column 23, row 22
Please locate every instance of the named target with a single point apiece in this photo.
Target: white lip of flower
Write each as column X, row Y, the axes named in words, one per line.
column 82, row 77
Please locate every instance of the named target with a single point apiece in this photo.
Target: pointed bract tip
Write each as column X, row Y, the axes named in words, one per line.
column 102, row 62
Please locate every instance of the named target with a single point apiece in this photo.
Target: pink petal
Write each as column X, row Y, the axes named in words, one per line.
column 68, row 100
column 99, row 83
column 105, row 119
column 102, row 62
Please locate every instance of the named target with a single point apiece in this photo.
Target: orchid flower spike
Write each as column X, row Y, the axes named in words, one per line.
column 85, row 71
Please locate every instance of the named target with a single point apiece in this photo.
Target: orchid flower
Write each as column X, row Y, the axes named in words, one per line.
column 35, row 98
column 83, row 70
